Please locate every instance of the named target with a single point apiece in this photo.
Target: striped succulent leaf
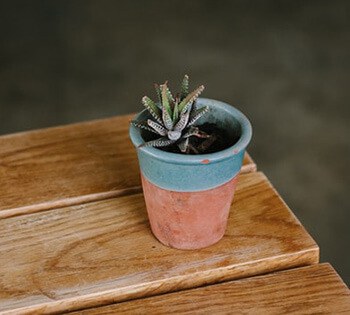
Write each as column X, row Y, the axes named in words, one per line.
column 161, row 142
column 196, row 114
column 152, row 108
column 157, row 127
column 159, row 95
column 143, row 125
column 176, row 112
column 184, row 86
column 170, row 96
column 165, row 100
column 167, row 120
column 190, row 98
column 183, row 121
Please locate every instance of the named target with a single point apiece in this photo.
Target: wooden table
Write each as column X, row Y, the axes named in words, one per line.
column 74, row 235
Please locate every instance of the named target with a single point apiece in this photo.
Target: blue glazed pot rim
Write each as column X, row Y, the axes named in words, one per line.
column 177, row 158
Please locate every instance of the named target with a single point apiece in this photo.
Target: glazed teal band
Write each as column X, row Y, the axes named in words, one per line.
column 189, row 177
column 181, row 172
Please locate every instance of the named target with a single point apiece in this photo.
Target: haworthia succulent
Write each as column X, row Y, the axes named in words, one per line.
column 174, row 117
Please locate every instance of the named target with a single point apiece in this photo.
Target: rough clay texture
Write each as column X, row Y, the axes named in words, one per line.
column 188, row 220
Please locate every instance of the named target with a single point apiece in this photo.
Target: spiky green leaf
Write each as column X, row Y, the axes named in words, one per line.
column 184, row 86
column 190, row 98
column 157, row 127
column 152, row 108
column 176, row 112
column 167, row 120
column 165, row 99
column 161, row 142
column 170, row 96
column 184, row 117
column 197, row 113
column 159, row 94
column 143, row 125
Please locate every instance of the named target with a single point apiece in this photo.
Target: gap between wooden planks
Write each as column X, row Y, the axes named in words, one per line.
column 104, row 252
column 68, row 165
column 314, row 289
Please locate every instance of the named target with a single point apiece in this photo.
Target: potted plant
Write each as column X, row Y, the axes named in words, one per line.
column 190, row 152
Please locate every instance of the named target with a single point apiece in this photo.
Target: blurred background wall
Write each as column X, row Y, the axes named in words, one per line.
column 284, row 63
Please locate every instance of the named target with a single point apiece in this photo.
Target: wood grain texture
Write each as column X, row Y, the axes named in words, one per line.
column 103, row 252
column 309, row 290
column 69, row 165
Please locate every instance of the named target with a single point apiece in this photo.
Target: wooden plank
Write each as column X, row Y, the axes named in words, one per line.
column 309, row 290
column 103, row 252
column 69, row 165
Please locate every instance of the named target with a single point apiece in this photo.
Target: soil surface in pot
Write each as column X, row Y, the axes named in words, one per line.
column 219, row 140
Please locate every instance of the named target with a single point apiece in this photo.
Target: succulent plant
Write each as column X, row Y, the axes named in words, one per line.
column 174, row 118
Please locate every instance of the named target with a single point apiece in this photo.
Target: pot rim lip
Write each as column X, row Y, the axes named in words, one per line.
column 177, row 158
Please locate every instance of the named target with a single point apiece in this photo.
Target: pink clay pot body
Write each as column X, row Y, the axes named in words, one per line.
column 188, row 220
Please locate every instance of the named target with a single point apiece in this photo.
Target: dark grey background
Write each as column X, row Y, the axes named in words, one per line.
column 284, row 63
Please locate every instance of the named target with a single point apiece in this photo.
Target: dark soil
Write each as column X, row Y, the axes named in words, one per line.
column 219, row 140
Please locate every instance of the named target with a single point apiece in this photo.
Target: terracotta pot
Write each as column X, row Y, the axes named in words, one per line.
column 188, row 197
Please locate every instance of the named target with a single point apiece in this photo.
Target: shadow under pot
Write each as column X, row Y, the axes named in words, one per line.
column 188, row 197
